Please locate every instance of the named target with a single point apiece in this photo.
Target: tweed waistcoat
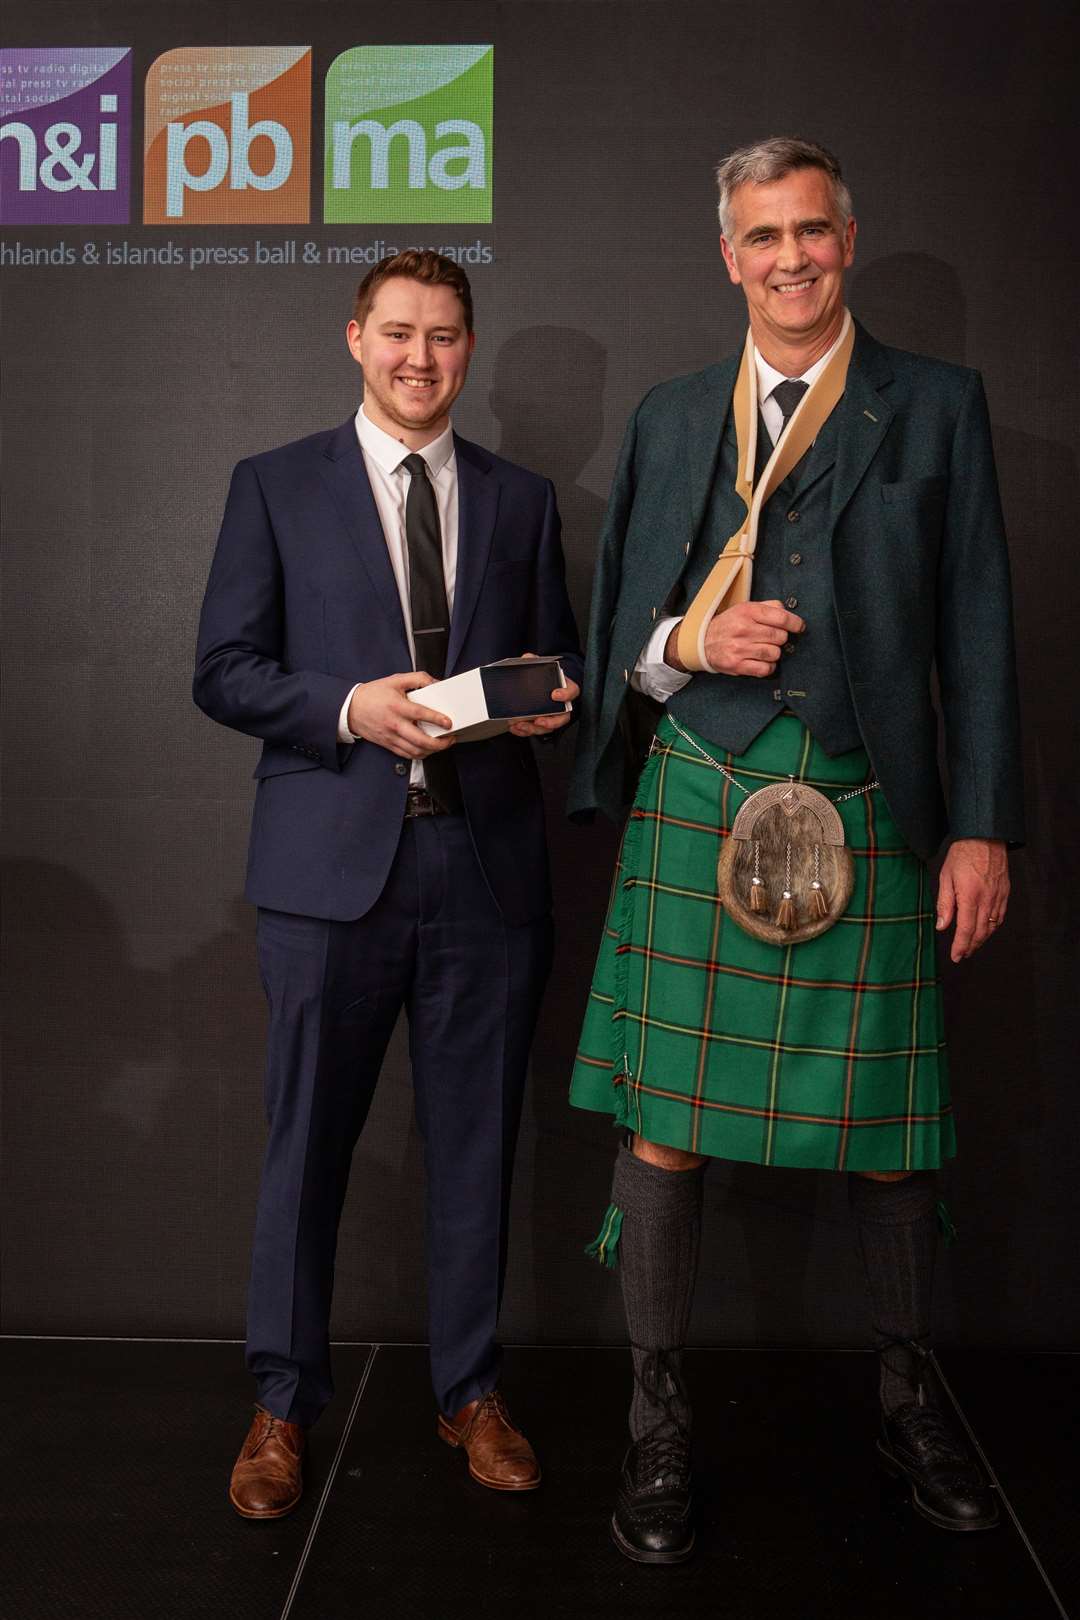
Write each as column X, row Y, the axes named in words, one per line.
column 792, row 565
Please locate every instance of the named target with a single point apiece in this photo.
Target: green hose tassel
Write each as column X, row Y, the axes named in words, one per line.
column 945, row 1222
column 606, row 1241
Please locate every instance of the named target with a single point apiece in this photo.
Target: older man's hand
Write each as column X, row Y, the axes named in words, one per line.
column 973, row 890
column 746, row 639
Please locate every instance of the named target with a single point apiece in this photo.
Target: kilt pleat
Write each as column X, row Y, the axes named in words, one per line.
column 828, row 1054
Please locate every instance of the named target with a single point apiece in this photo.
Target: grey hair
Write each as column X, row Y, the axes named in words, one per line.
column 771, row 160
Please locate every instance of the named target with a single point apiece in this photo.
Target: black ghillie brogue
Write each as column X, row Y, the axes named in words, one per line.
column 653, row 1521
column 922, row 1443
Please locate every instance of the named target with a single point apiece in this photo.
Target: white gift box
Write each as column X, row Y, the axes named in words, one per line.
column 485, row 701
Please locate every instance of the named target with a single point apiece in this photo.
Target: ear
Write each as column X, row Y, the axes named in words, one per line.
column 849, row 243
column 353, row 337
column 729, row 260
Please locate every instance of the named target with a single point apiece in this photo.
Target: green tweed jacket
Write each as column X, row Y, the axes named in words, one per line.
column 920, row 581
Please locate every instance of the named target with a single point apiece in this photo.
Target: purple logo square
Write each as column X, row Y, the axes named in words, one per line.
column 65, row 135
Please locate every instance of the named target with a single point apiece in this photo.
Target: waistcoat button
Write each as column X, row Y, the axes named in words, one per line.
column 793, row 517
column 795, row 559
column 400, row 768
column 792, row 601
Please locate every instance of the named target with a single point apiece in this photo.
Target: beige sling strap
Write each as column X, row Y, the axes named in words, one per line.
column 729, row 580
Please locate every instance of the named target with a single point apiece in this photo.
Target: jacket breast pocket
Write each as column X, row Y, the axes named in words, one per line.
column 915, row 491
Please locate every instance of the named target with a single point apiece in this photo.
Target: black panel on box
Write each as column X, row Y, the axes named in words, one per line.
column 512, row 691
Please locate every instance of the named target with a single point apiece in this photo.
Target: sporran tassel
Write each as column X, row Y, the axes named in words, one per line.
column 757, row 886
column 785, row 917
column 819, row 905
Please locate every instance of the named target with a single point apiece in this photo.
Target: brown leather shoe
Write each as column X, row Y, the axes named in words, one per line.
column 267, row 1480
column 499, row 1455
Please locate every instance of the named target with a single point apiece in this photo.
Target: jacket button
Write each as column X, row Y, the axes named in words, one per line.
column 778, row 696
column 792, row 602
column 626, row 674
column 400, row 768
column 793, row 517
column 795, row 559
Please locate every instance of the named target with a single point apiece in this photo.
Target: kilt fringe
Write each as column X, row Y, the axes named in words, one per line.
column 604, row 1246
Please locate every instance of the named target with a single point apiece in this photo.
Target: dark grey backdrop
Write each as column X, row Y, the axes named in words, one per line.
column 132, row 1105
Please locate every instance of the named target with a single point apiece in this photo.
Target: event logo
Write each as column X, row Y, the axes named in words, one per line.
column 65, row 135
column 227, row 136
column 408, row 134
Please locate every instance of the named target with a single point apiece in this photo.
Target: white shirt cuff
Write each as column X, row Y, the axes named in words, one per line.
column 651, row 675
column 344, row 735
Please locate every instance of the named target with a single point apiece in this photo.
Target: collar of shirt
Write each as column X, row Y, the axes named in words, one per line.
column 388, row 453
column 768, row 376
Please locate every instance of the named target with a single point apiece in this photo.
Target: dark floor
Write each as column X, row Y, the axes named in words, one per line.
column 116, row 1457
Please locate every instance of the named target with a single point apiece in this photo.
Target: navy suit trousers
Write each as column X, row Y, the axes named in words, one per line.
column 434, row 943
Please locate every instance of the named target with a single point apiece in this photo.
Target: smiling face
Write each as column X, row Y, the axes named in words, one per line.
column 414, row 352
column 788, row 250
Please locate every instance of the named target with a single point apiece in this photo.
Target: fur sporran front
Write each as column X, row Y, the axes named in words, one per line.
column 784, row 873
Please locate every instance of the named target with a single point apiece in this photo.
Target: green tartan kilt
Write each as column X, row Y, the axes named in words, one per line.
column 829, row 1054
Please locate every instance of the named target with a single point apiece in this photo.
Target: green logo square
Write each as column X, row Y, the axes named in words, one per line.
column 408, row 134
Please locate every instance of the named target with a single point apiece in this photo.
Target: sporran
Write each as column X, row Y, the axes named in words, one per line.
column 785, row 873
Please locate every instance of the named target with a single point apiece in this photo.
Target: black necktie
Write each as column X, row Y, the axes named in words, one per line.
column 427, row 587
column 787, row 395
column 429, row 609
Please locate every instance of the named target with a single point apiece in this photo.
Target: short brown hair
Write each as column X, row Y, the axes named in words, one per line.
column 415, row 264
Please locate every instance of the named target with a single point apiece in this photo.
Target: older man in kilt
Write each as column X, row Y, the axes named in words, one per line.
column 768, row 1017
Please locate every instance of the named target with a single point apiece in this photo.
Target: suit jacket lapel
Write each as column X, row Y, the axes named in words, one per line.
column 346, row 481
column 478, row 504
column 817, row 461
column 862, row 418
column 706, row 419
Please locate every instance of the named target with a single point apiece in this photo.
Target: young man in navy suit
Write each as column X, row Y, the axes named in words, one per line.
column 391, row 868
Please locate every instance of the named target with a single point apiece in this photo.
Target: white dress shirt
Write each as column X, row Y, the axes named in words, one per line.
column 651, row 675
column 389, row 479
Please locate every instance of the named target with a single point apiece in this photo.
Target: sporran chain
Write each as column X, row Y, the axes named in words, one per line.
column 841, row 798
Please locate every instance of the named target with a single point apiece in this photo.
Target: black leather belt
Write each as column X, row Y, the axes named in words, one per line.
column 418, row 802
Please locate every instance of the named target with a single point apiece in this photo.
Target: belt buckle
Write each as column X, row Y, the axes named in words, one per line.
column 418, row 802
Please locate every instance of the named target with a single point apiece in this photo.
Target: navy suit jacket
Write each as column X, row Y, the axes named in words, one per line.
column 301, row 604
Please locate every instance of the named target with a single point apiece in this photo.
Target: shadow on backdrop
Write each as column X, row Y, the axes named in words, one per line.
column 1010, row 1010
column 547, row 396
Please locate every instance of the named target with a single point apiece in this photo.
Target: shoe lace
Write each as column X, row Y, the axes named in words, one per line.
column 490, row 1405
column 914, row 1351
column 663, row 1452
column 927, row 1431
column 274, row 1426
